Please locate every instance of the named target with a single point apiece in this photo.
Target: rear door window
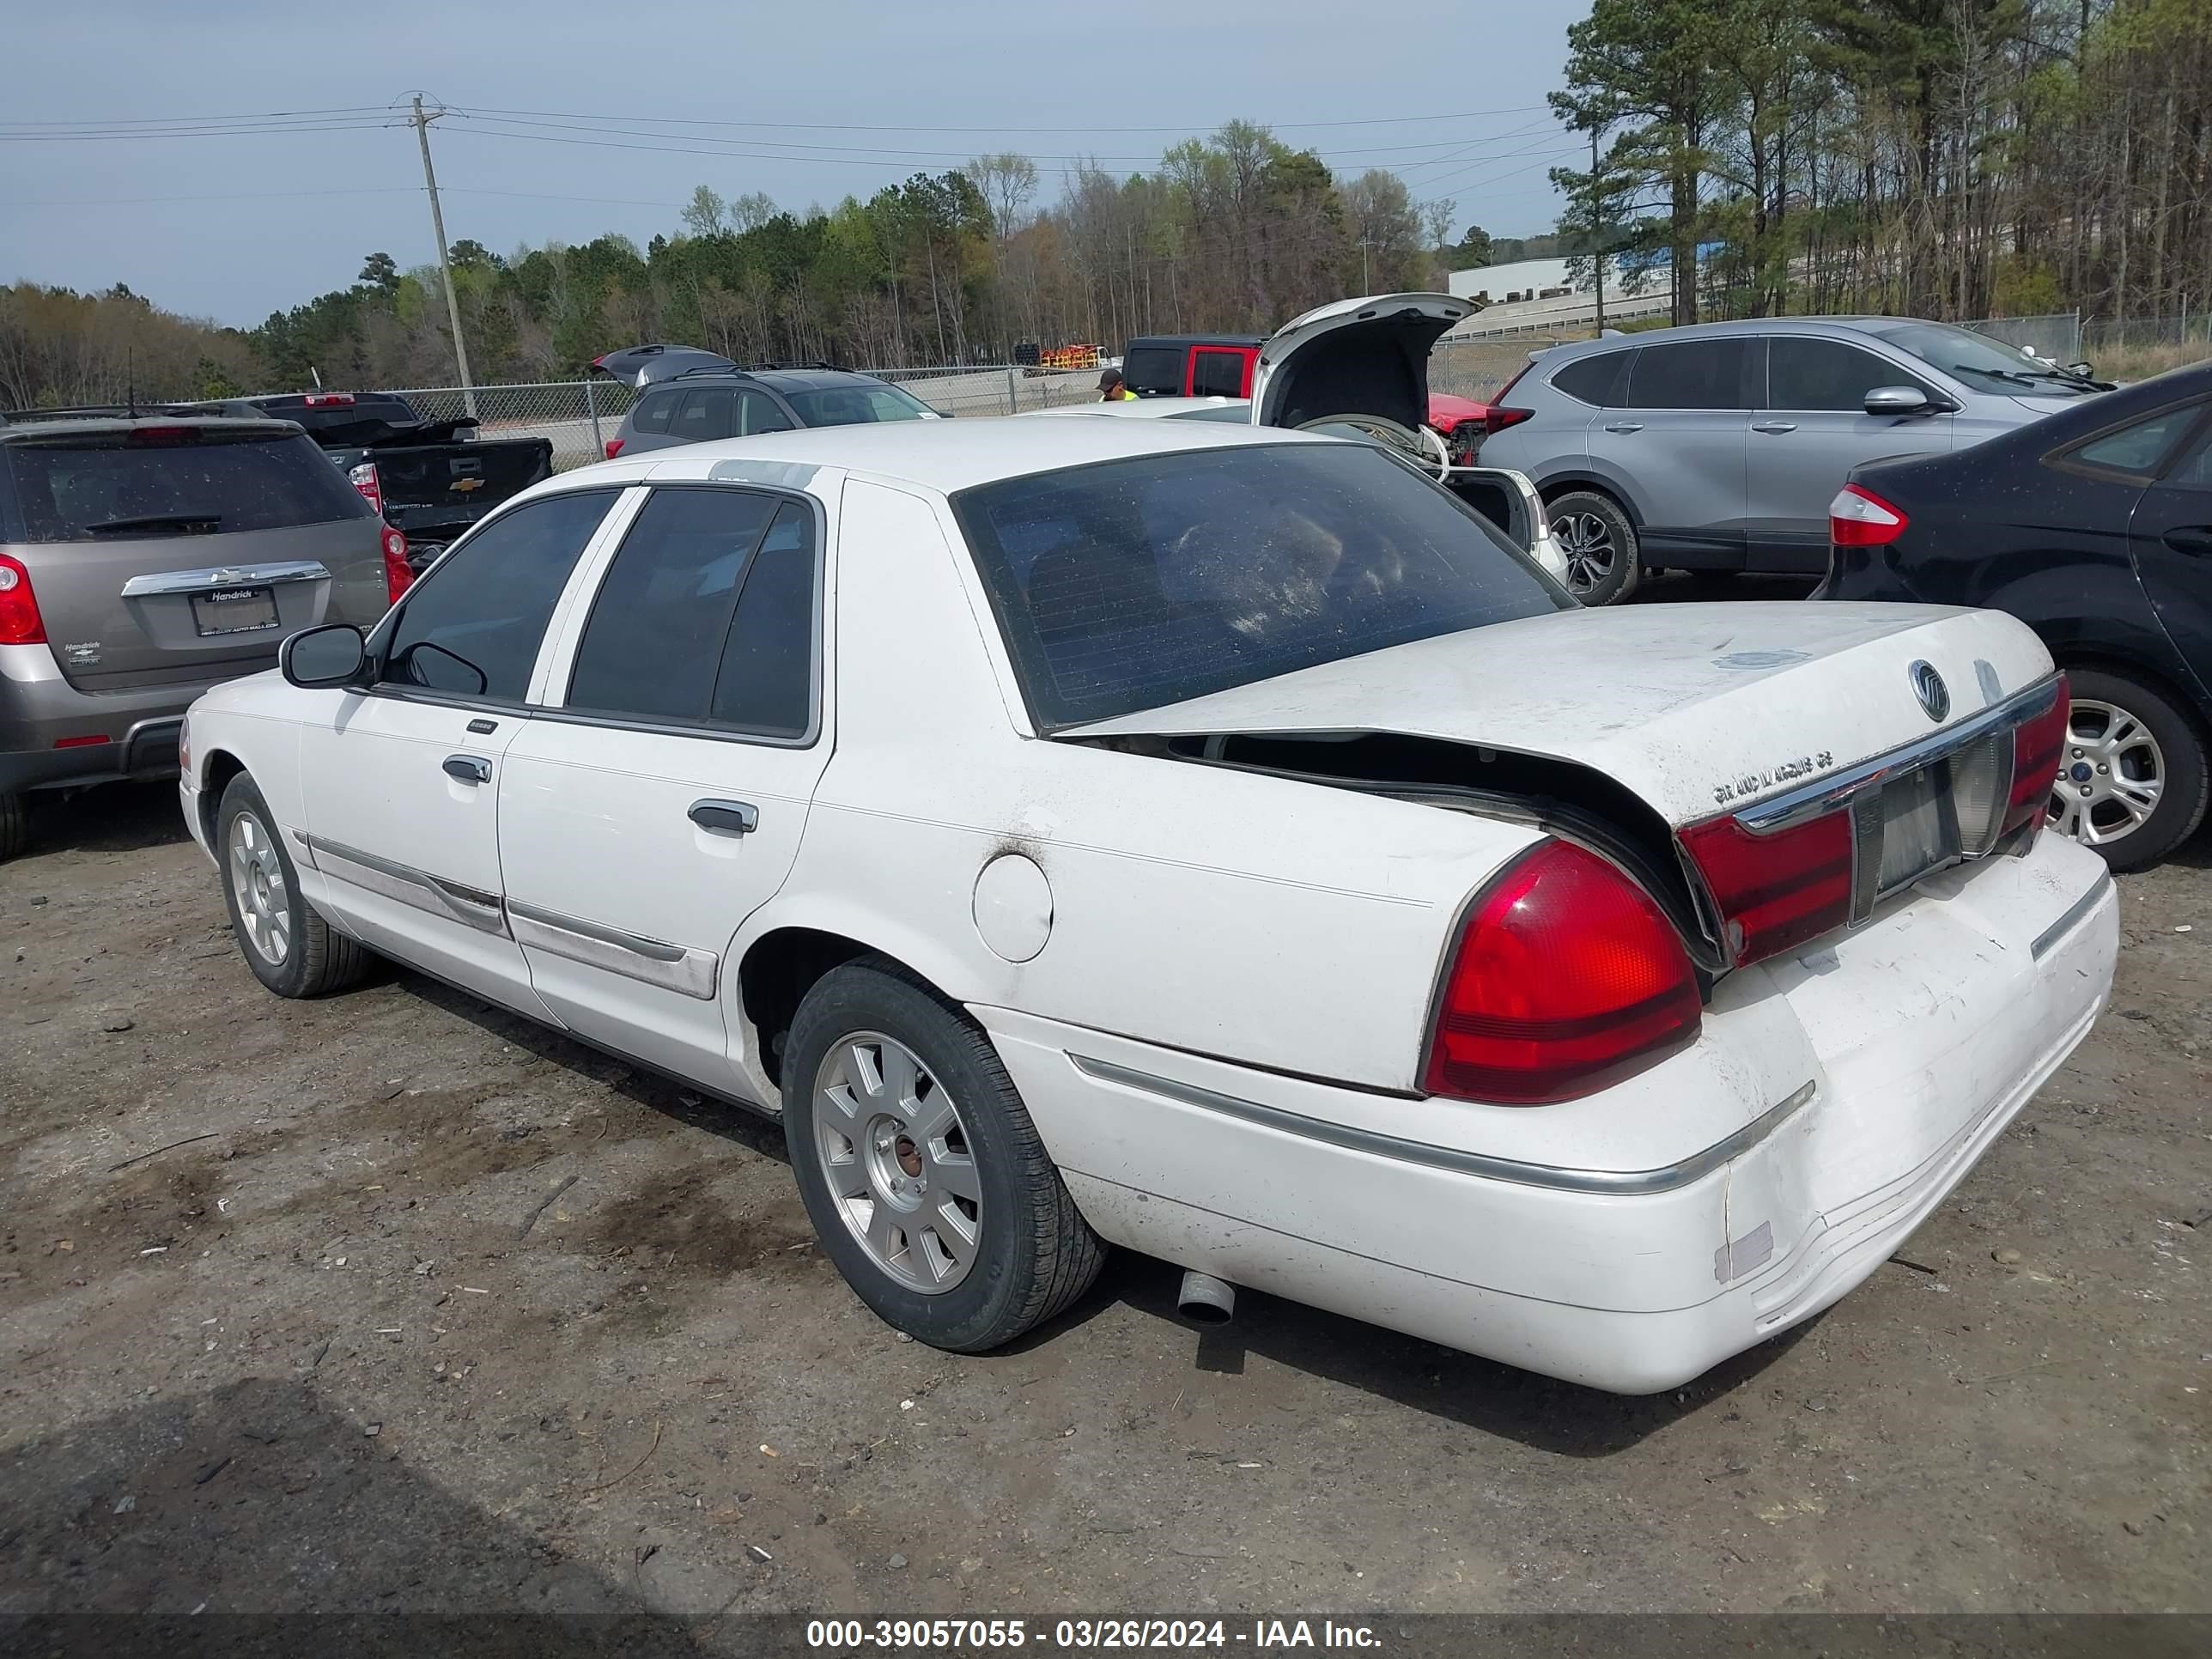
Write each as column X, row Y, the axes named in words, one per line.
column 173, row 482
column 1827, row 374
column 654, row 641
column 1690, row 374
column 757, row 412
column 1594, row 381
column 1156, row 369
column 472, row 627
column 709, row 412
column 2138, row 448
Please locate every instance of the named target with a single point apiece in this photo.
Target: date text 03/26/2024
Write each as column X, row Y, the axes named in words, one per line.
column 942, row 1635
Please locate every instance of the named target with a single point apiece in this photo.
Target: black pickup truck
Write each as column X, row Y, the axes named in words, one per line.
column 431, row 479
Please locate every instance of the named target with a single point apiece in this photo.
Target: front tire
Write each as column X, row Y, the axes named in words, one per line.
column 2132, row 779
column 289, row 947
column 1599, row 539
column 921, row 1169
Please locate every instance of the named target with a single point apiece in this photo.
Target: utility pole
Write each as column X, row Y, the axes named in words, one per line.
column 1597, row 245
column 1365, row 244
column 445, row 260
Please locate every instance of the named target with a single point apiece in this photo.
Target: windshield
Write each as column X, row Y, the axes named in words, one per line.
column 1981, row 360
column 1139, row 583
column 105, row 485
column 857, row 405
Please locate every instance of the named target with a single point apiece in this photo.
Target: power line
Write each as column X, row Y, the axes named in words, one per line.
column 166, row 133
column 846, row 126
column 186, row 120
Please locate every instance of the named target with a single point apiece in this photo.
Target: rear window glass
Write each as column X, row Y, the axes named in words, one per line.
column 856, row 405
column 1139, row 583
column 1153, row 368
column 653, row 411
column 102, row 488
column 1594, row 381
column 1217, row 374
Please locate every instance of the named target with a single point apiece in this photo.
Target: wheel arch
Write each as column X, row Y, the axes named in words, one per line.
column 1567, row 483
column 220, row 766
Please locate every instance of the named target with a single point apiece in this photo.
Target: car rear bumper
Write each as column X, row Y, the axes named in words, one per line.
column 53, row 735
column 1913, row 1042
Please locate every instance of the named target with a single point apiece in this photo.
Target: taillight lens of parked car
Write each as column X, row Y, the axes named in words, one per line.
column 1496, row 417
column 2037, row 746
column 20, row 621
column 1568, row 978
column 1778, row 890
column 366, row 479
column 398, row 576
column 1859, row 518
column 328, row 400
column 615, row 446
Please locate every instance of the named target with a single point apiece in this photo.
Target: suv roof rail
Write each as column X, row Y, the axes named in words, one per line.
column 726, row 370
column 811, row 362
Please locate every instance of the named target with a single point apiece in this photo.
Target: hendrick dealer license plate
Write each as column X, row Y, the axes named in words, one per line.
column 234, row 610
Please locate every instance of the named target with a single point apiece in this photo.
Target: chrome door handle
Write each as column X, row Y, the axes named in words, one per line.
column 1625, row 426
column 734, row 817
column 469, row 768
column 1774, row 426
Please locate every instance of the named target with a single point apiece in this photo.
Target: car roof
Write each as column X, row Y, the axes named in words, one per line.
column 27, row 425
column 1737, row 328
column 1197, row 340
column 942, row 456
column 781, row 380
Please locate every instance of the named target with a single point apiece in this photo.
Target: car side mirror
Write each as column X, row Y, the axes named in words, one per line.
column 1897, row 400
column 330, row 655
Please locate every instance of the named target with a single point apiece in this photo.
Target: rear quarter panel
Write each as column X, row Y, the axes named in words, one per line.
column 1286, row 924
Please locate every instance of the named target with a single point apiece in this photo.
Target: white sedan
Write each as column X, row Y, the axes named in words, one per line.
column 1215, row 841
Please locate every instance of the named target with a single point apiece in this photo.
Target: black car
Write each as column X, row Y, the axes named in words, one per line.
column 2094, row 527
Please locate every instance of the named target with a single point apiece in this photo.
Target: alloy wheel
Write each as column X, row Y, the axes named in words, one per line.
column 257, row 881
column 1587, row 540
column 2112, row 774
column 898, row 1162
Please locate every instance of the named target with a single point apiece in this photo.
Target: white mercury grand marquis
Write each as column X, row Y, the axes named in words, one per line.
column 1214, row 841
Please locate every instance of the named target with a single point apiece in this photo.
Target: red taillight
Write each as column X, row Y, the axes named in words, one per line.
column 328, row 400
column 615, row 446
column 2037, row 746
column 20, row 621
column 93, row 742
column 398, row 576
column 160, row 435
column 1498, row 417
column 1568, row 978
column 366, row 480
column 1775, row 891
column 1859, row 518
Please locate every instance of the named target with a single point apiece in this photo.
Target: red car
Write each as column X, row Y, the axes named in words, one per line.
column 1462, row 420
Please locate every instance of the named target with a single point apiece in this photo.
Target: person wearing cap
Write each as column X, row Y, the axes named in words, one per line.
column 1110, row 389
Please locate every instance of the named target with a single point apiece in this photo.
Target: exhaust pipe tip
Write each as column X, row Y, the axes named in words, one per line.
column 1205, row 1300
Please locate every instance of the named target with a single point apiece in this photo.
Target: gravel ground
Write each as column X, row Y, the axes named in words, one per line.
column 394, row 1302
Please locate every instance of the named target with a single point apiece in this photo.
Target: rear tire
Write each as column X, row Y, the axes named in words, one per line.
column 2121, row 736
column 290, row 948
column 921, row 1169
column 1599, row 539
column 14, row 826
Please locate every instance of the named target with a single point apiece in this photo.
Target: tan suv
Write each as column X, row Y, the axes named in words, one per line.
column 145, row 556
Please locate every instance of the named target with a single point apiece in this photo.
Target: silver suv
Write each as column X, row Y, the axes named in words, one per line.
column 1719, row 447
column 147, row 556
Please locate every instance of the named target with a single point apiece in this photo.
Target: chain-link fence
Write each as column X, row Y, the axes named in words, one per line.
column 2149, row 333
column 2056, row 338
column 1478, row 369
column 579, row 416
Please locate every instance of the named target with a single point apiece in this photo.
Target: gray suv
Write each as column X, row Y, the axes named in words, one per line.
column 147, row 556
column 702, row 403
column 1719, row 447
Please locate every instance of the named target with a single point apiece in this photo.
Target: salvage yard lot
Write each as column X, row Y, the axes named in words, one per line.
column 286, row 1320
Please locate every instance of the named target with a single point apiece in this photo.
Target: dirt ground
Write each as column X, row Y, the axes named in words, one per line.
column 288, row 1321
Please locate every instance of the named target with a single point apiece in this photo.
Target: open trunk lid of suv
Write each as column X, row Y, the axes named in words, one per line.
column 164, row 554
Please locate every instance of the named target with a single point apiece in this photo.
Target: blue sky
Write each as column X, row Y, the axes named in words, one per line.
column 806, row 102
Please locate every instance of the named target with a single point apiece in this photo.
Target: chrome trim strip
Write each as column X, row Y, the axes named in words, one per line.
column 1615, row 1182
column 654, row 961
column 424, row 891
column 1826, row 794
column 224, row 575
column 2076, row 914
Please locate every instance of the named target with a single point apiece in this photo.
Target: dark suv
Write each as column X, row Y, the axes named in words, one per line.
column 732, row 403
column 147, row 556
